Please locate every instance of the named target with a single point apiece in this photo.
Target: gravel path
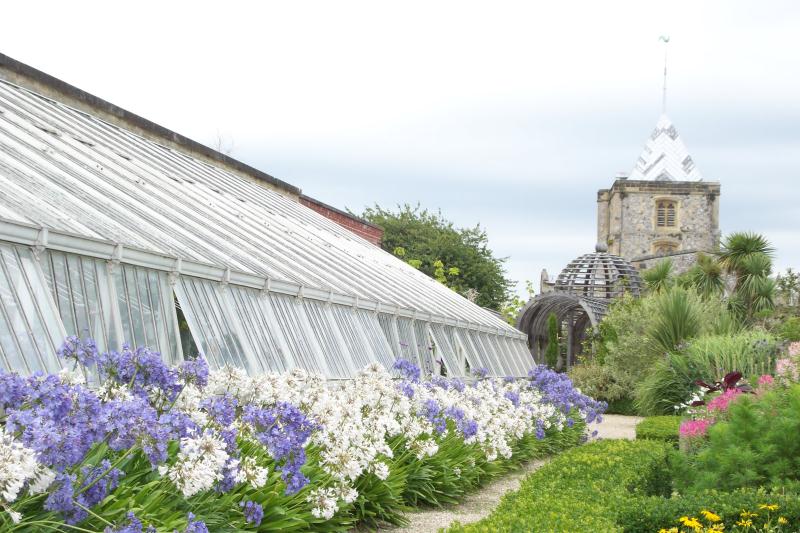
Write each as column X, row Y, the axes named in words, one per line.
column 479, row 504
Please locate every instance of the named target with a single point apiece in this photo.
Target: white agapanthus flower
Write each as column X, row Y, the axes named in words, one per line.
column 43, row 479
column 200, row 463
column 249, row 472
column 18, row 465
column 359, row 418
column 71, row 377
column 324, row 501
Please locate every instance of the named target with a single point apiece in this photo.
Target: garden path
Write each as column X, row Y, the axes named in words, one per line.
column 479, row 504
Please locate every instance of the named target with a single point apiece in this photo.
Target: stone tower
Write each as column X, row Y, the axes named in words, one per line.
column 664, row 208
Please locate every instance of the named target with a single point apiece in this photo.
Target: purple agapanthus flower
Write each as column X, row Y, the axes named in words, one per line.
column 253, row 512
column 408, row 370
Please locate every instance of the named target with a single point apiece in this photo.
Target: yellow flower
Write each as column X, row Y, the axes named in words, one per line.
column 711, row 517
column 747, row 514
column 744, row 523
column 693, row 522
column 670, row 530
column 769, row 506
column 782, row 520
column 717, row 527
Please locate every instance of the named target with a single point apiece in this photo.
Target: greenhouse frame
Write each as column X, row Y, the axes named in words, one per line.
column 119, row 234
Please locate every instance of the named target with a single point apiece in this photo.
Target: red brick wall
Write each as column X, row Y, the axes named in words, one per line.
column 364, row 230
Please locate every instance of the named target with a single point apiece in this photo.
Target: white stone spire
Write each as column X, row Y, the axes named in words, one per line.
column 665, row 157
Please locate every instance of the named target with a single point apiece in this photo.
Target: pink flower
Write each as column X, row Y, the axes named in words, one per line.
column 694, row 428
column 794, row 349
column 787, row 369
column 765, row 380
column 721, row 402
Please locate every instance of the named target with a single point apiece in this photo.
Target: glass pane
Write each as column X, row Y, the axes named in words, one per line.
column 291, row 320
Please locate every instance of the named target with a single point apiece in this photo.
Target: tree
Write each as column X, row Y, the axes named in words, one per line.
column 748, row 257
column 553, row 350
column 459, row 257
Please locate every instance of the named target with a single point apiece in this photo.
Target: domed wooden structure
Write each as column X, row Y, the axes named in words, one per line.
column 579, row 299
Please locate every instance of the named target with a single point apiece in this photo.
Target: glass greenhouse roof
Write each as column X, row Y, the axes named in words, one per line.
column 101, row 229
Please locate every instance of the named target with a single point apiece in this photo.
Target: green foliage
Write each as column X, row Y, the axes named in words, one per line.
column 628, row 350
column 663, row 428
column 582, row 489
column 678, row 319
column 706, row 276
column 748, row 257
column 659, row 277
column 648, row 514
column 672, row 378
column 428, row 237
column 756, row 445
column 788, row 285
column 600, row 382
column 790, row 329
column 553, row 349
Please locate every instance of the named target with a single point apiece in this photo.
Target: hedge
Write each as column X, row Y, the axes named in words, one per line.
column 649, row 514
column 581, row 489
column 664, row 428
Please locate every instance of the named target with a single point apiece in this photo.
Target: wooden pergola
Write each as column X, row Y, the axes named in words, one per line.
column 580, row 299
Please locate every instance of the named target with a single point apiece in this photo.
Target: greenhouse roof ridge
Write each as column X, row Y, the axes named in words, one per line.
column 48, row 86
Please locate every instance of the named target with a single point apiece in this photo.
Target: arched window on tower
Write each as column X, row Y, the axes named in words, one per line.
column 666, row 216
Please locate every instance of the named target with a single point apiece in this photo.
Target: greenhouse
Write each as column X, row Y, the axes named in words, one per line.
column 107, row 233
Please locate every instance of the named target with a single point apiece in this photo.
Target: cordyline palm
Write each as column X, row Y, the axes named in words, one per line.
column 659, row 277
column 748, row 256
column 738, row 247
column 706, row 276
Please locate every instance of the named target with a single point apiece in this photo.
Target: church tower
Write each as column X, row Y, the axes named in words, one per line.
column 663, row 208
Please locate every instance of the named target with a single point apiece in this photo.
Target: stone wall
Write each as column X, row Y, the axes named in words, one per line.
column 627, row 218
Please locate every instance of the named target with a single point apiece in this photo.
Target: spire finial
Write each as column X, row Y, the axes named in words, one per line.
column 665, row 40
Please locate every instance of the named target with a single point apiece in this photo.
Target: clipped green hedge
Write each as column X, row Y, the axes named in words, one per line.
column 648, row 514
column 665, row 428
column 581, row 489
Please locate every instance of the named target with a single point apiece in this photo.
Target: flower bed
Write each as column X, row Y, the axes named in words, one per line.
column 154, row 448
column 664, row 428
column 581, row 489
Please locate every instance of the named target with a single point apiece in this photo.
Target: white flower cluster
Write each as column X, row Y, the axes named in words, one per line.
column 200, row 463
column 18, row 465
column 359, row 417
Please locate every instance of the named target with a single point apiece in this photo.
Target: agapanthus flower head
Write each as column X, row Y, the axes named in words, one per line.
column 195, row 526
column 194, row 372
column 131, row 524
column 17, row 466
column 141, row 369
column 284, row 431
column 253, row 512
column 222, row 409
column 98, row 482
column 480, row 373
column 82, row 351
column 408, row 370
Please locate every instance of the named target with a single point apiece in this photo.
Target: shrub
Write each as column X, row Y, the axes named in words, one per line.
column 664, row 428
column 582, row 489
column 672, row 379
column 598, row 381
column 790, row 329
column 756, row 445
column 649, row 514
column 627, row 348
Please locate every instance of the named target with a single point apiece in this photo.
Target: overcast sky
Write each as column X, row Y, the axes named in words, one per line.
column 510, row 115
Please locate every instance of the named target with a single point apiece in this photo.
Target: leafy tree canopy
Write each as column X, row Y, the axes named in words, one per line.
column 458, row 257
